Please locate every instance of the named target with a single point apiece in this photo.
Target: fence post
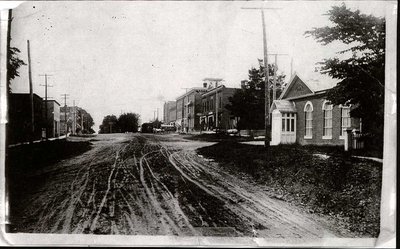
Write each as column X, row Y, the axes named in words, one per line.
column 356, row 137
column 348, row 140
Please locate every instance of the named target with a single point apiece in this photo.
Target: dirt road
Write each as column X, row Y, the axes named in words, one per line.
column 154, row 185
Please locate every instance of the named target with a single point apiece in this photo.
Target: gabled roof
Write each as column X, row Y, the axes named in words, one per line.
column 319, row 82
column 314, row 81
column 284, row 106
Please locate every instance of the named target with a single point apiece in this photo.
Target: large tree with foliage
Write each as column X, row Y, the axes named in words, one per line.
column 87, row 121
column 362, row 74
column 14, row 63
column 109, row 124
column 128, row 122
column 248, row 103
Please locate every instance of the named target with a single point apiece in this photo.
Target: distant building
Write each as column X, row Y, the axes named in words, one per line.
column 214, row 114
column 169, row 112
column 188, row 109
column 53, row 118
column 303, row 115
column 19, row 114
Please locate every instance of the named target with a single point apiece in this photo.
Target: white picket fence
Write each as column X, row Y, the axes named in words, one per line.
column 357, row 139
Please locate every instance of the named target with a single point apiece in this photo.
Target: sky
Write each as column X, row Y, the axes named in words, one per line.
column 116, row 57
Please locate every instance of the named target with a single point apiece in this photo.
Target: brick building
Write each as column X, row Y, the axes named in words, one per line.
column 53, row 117
column 19, row 117
column 188, row 106
column 169, row 112
column 303, row 115
column 214, row 114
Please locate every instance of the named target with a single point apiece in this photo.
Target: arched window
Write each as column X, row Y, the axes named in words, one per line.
column 327, row 110
column 345, row 121
column 308, row 116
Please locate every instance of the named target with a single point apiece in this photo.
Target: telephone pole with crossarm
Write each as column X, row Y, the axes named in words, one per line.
column 266, row 93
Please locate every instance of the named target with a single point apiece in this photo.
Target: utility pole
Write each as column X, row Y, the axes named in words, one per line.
column 157, row 113
column 65, row 95
column 82, row 117
column 267, row 139
column 31, row 94
column 266, row 93
column 275, row 76
column 46, row 104
column 216, row 106
column 74, row 119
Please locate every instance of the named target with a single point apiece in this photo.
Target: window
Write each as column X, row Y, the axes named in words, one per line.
column 345, row 119
column 308, row 109
column 288, row 122
column 327, row 110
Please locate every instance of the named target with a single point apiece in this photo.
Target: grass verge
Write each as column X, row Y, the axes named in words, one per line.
column 345, row 188
column 33, row 156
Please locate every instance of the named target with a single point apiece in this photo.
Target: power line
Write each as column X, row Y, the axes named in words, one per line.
column 46, row 104
column 266, row 93
column 275, row 76
column 65, row 95
column 31, row 94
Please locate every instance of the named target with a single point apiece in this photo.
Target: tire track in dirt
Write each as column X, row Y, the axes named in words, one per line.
column 103, row 201
column 169, row 200
column 135, row 184
column 195, row 195
column 168, row 224
column 269, row 213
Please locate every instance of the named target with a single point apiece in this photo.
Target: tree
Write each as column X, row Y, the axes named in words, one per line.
column 88, row 122
column 362, row 74
column 248, row 103
column 147, row 128
column 128, row 122
column 14, row 64
column 109, row 124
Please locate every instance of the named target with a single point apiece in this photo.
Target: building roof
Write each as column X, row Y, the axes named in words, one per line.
column 211, row 90
column 25, row 94
column 191, row 90
column 283, row 106
column 315, row 81
column 318, row 81
column 52, row 100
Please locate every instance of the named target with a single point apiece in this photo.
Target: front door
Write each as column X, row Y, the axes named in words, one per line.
column 210, row 122
column 288, row 135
